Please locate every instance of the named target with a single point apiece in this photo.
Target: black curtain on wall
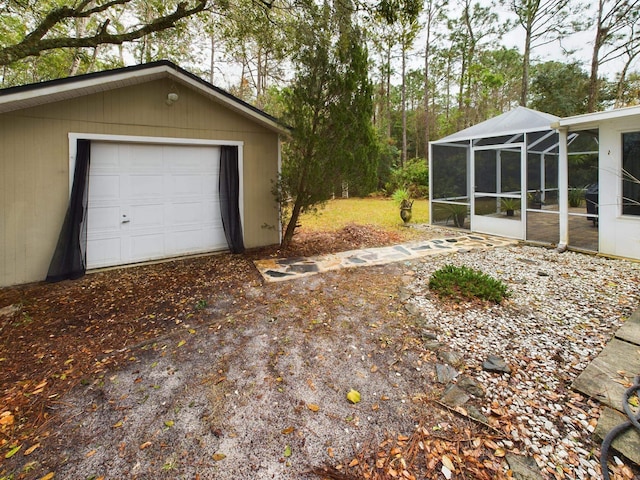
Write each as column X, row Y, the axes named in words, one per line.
column 229, row 192
column 69, row 259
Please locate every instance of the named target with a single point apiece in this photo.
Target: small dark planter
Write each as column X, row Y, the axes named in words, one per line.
column 510, row 213
column 405, row 214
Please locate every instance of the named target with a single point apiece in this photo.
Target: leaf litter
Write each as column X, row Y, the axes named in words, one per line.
column 103, row 365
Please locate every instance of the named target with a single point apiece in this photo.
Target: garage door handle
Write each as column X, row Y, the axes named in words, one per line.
column 125, row 219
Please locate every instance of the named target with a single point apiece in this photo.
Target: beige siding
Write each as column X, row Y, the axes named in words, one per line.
column 34, row 163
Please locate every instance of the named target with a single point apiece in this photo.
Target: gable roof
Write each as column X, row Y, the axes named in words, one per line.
column 34, row 94
column 518, row 120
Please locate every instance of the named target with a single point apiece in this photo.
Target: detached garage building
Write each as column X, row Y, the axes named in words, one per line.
column 130, row 165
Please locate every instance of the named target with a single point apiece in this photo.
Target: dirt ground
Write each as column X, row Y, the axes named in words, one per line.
column 196, row 369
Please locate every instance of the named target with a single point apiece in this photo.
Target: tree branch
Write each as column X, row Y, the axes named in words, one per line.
column 35, row 43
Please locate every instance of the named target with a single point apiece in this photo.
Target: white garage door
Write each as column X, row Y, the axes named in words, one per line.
column 149, row 202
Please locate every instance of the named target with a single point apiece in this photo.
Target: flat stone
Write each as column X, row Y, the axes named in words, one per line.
column 628, row 442
column 454, row 396
column 356, row 260
column 493, row 363
column 276, row 274
column 471, row 386
column 445, row 373
column 523, row 468
column 630, row 330
column 451, row 357
column 597, row 380
column 433, row 345
column 412, row 309
column 303, row 268
column 476, row 414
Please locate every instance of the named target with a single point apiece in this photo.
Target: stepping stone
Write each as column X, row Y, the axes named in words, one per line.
column 356, row 260
column 454, row 396
column 471, row 386
column 290, row 261
column 628, row 442
column 275, row 274
column 452, row 240
column 523, row 468
column 630, row 330
column 304, row 268
column 445, row 373
column 451, row 357
column 423, row 247
column 493, row 363
column 401, row 249
column 597, row 380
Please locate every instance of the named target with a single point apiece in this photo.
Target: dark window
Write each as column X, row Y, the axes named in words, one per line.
column 631, row 173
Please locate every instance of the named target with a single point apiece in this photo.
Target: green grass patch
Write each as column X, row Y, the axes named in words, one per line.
column 464, row 283
column 381, row 212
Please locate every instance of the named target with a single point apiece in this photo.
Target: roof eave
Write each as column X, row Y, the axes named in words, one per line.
column 55, row 91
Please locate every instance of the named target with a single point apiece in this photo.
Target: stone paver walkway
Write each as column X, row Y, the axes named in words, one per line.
column 275, row 270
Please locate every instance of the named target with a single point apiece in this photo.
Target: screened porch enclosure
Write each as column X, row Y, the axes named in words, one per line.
column 502, row 177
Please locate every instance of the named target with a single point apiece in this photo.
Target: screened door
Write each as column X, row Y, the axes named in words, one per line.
column 498, row 190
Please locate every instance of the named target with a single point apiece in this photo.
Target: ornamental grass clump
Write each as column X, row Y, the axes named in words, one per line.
column 463, row 283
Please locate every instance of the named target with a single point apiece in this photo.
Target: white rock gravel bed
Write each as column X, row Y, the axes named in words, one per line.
column 563, row 310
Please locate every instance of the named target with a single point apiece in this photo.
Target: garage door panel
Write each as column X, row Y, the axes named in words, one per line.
column 104, row 219
column 147, row 215
column 186, row 185
column 214, row 235
column 147, row 247
column 105, row 187
column 188, row 213
column 148, row 158
column 156, row 200
column 103, row 252
column 145, row 186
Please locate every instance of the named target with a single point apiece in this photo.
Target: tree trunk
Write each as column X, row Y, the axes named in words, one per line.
column 427, row 132
column 403, row 101
column 601, row 34
column 292, row 225
column 526, row 60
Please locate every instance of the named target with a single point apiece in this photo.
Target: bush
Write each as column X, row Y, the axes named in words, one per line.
column 460, row 283
column 413, row 176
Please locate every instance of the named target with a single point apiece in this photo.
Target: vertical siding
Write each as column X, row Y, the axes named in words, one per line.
column 34, row 163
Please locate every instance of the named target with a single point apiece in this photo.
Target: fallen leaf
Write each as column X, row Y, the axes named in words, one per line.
column 330, row 452
column 6, row 419
column 354, row 462
column 48, row 476
column 13, row 451
column 446, row 462
column 145, row 445
column 168, row 423
column 500, row 452
column 118, row 424
column 31, row 449
column 288, row 430
column 313, row 407
column 181, row 343
column 374, row 369
column 353, row 396
column 91, row 453
column 287, row 451
column 219, row 456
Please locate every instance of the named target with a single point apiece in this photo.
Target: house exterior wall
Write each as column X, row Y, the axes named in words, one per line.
column 619, row 234
column 34, row 163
